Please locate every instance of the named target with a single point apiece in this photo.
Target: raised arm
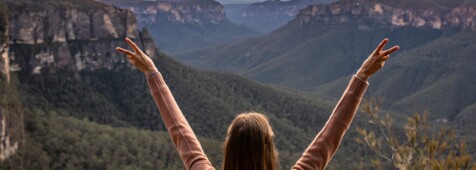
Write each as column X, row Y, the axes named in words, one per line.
column 179, row 130
column 320, row 151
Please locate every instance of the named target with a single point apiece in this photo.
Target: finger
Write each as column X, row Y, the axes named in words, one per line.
column 132, row 62
column 136, row 49
column 390, row 51
column 133, row 45
column 130, row 57
column 124, row 51
column 385, row 58
column 381, row 45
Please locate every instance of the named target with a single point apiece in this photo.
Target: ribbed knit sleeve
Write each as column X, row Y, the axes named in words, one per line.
column 320, row 151
column 179, row 130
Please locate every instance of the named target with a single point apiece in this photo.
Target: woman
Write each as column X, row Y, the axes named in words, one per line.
column 249, row 143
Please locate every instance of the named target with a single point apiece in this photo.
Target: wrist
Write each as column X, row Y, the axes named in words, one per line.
column 361, row 75
column 151, row 72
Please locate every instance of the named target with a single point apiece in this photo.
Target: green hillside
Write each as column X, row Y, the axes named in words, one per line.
column 438, row 76
column 321, row 52
column 179, row 37
column 58, row 142
column 209, row 100
column 431, row 71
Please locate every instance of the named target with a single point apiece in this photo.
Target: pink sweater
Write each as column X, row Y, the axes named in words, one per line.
column 317, row 155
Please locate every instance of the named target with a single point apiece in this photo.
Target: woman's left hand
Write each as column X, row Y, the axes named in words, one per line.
column 138, row 58
column 375, row 61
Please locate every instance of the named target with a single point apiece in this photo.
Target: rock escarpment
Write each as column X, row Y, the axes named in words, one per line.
column 11, row 116
column 278, row 9
column 63, row 36
column 188, row 11
column 382, row 13
column 54, row 36
column 4, row 60
column 183, row 25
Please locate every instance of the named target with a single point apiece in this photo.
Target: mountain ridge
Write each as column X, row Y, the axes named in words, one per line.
column 383, row 13
column 329, row 42
column 267, row 16
column 184, row 25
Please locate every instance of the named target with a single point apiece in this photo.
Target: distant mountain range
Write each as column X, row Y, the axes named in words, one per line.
column 179, row 26
column 268, row 15
column 329, row 42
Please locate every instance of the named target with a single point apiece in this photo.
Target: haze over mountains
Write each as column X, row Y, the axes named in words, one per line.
column 329, row 42
column 178, row 26
column 268, row 15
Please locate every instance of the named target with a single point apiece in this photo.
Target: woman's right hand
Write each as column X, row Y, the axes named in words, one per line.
column 375, row 61
column 138, row 58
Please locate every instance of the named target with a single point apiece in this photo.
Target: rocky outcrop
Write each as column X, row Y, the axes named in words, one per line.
column 278, row 9
column 53, row 36
column 5, row 61
column 369, row 13
column 11, row 130
column 43, row 37
column 183, row 25
column 4, row 34
column 11, row 122
column 185, row 11
column 71, row 37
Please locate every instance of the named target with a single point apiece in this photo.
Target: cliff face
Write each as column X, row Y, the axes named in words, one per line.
column 183, row 25
column 187, row 11
column 59, row 36
column 11, row 121
column 11, row 117
column 369, row 13
column 4, row 34
column 54, row 36
column 277, row 9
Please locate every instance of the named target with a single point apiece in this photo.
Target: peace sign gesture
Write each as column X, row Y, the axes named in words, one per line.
column 138, row 58
column 375, row 61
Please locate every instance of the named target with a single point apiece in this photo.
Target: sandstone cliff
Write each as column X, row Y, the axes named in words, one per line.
column 56, row 36
column 11, row 120
column 278, row 9
column 4, row 34
column 11, row 116
column 383, row 13
column 183, row 25
column 53, row 36
column 186, row 11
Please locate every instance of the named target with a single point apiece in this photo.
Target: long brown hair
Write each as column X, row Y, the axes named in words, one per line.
column 249, row 144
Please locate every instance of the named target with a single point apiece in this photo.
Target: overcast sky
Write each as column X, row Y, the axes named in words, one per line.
column 238, row 1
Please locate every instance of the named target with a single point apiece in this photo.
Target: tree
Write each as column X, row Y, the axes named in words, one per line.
column 418, row 145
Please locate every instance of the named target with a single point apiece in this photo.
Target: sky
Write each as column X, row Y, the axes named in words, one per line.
column 238, row 1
